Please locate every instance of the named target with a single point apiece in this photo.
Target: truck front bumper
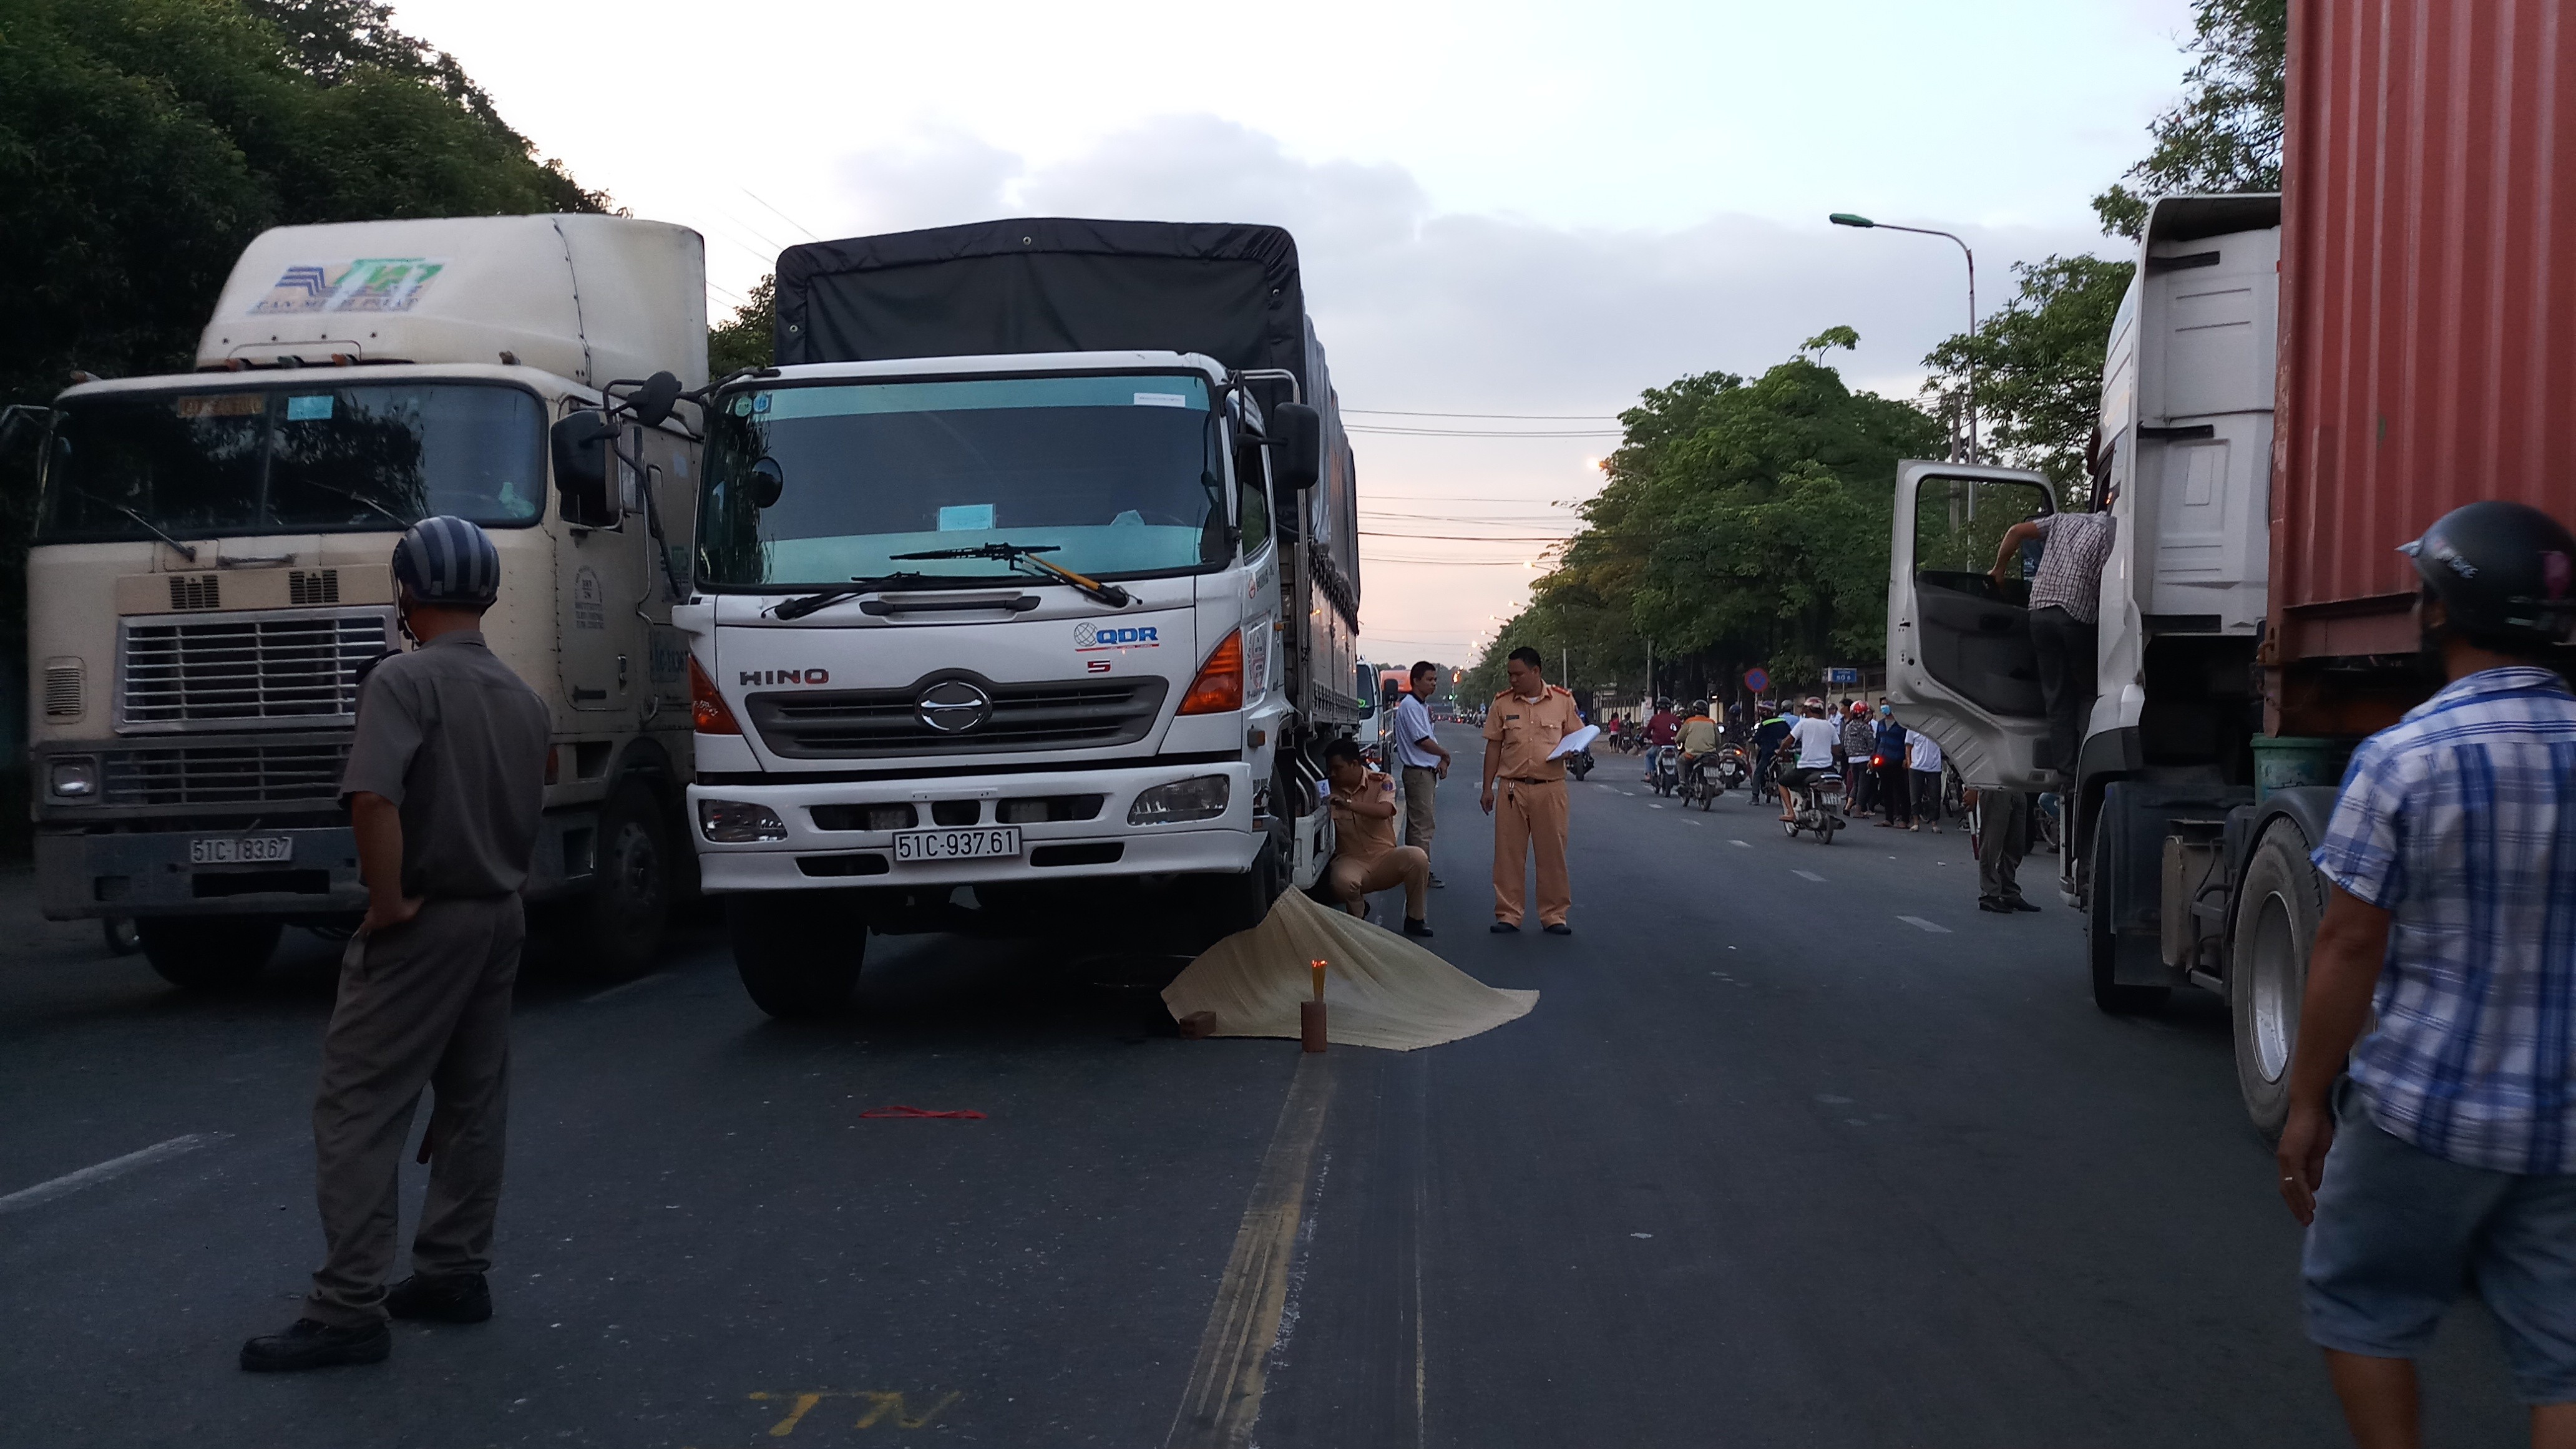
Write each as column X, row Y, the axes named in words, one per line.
column 90, row 873
column 811, row 857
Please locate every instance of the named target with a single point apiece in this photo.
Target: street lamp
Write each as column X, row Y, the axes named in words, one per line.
column 1845, row 218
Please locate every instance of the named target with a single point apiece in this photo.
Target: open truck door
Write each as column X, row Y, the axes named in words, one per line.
column 1960, row 665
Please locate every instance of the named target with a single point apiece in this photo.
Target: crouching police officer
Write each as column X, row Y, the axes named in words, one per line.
column 445, row 781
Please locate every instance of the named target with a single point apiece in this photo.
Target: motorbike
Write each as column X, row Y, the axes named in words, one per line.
column 1665, row 762
column 1820, row 808
column 1732, row 767
column 1579, row 764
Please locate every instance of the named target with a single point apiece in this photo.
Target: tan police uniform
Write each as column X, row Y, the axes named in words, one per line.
column 458, row 743
column 1529, row 800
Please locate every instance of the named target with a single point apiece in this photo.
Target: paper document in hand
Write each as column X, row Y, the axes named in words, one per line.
column 1579, row 740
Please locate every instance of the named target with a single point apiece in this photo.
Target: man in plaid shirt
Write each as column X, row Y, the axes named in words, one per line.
column 2448, row 1157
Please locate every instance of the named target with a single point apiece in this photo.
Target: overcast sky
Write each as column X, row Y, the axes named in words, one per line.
column 1503, row 207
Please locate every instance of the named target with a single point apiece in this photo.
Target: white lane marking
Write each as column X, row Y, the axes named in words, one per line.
column 1747, row 844
column 1628, row 792
column 1808, row 875
column 1651, row 805
column 71, row 1182
column 623, row 987
column 1688, row 821
column 1933, row 926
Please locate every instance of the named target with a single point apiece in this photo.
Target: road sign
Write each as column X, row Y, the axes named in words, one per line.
column 1842, row 676
column 1757, row 680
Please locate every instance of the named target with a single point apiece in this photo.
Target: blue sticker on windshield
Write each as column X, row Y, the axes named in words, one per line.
column 760, row 404
column 308, row 409
column 964, row 517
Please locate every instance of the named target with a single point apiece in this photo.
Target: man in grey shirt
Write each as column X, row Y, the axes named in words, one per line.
column 445, row 783
column 2065, row 614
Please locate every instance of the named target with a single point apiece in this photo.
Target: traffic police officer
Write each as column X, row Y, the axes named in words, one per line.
column 1521, row 728
column 445, row 782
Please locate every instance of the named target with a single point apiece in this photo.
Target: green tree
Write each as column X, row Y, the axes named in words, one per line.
column 2038, row 364
column 144, row 142
column 1743, row 522
column 2225, row 134
column 749, row 338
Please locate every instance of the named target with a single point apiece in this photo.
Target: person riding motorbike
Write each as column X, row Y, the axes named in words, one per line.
column 1767, row 737
column 1661, row 727
column 1698, row 740
column 1816, row 743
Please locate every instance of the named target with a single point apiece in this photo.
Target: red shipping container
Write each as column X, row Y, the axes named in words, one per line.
column 2428, row 300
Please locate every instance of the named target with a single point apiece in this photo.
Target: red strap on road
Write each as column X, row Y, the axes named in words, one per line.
column 901, row 1111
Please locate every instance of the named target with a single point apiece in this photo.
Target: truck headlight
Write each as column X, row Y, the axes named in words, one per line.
column 73, row 777
column 735, row 822
column 1202, row 798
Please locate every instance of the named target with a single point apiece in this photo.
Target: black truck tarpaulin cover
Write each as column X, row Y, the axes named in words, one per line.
column 1048, row 284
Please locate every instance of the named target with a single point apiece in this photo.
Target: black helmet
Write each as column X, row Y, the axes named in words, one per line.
column 446, row 560
column 2505, row 572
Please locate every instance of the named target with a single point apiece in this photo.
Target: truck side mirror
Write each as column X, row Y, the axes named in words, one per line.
column 580, row 444
column 1296, row 445
column 653, row 401
column 768, row 480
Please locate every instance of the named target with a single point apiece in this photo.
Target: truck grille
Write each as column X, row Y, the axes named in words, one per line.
column 301, row 772
column 244, row 670
column 861, row 724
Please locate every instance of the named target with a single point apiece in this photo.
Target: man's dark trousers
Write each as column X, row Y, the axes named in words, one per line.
column 1896, row 791
column 2003, row 837
column 425, row 1003
column 2068, row 648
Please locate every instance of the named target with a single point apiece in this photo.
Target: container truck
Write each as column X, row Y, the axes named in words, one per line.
column 2295, row 385
column 211, row 567
column 1026, row 597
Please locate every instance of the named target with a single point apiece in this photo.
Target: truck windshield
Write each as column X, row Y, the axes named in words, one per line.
column 292, row 459
column 817, row 484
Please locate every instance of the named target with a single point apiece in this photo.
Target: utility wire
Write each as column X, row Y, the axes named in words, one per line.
column 1529, row 417
column 1476, row 537
column 782, row 216
column 1374, row 429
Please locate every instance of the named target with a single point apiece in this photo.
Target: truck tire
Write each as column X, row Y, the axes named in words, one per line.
column 208, row 953
column 2278, row 906
column 2102, row 943
column 1240, row 902
column 799, row 952
column 619, row 924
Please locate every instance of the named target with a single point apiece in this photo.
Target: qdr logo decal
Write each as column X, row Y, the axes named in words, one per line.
column 1088, row 637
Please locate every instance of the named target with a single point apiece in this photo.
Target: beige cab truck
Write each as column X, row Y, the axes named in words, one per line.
column 211, row 570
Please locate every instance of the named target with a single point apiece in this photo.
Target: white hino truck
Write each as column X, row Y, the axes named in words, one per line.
column 1026, row 597
column 211, row 569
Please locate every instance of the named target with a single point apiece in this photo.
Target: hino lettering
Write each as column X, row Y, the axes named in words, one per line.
column 957, row 475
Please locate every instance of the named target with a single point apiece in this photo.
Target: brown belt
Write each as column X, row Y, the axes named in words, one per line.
column 1535, row 779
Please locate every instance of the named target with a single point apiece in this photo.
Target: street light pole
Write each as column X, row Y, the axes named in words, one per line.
column 1845, row 218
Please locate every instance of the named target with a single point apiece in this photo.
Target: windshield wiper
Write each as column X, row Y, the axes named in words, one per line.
column 360, row 498
column 185, row 551
column 798, row 608
column 1017, row 554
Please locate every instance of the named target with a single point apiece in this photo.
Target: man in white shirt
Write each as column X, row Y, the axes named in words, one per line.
column 1816, row 742
column 1923, row 761
column 1419, row 753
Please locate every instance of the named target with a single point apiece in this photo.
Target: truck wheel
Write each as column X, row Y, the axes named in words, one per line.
column 208, row 953
column 2102, row 943
column 119, row 935
column 2277, row 911
column 619, row 925
column 1240, row 902
column 798, row 951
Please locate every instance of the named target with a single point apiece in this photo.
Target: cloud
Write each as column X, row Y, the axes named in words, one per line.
column 931, row 176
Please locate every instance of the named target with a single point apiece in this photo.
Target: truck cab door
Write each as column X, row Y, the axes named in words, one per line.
column 1960, row 665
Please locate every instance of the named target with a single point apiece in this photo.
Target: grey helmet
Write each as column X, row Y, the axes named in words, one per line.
column 446, row 560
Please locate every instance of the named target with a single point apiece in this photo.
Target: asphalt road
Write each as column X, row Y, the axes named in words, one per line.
column 1798, row 1148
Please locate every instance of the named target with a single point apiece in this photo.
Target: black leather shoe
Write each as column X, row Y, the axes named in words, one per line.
column 1998, row 907
column 1559, row 929
column 1416, row 926
column 311, row 1344
column 2018, row 904
column 441, row 1298
column 1504, row 928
